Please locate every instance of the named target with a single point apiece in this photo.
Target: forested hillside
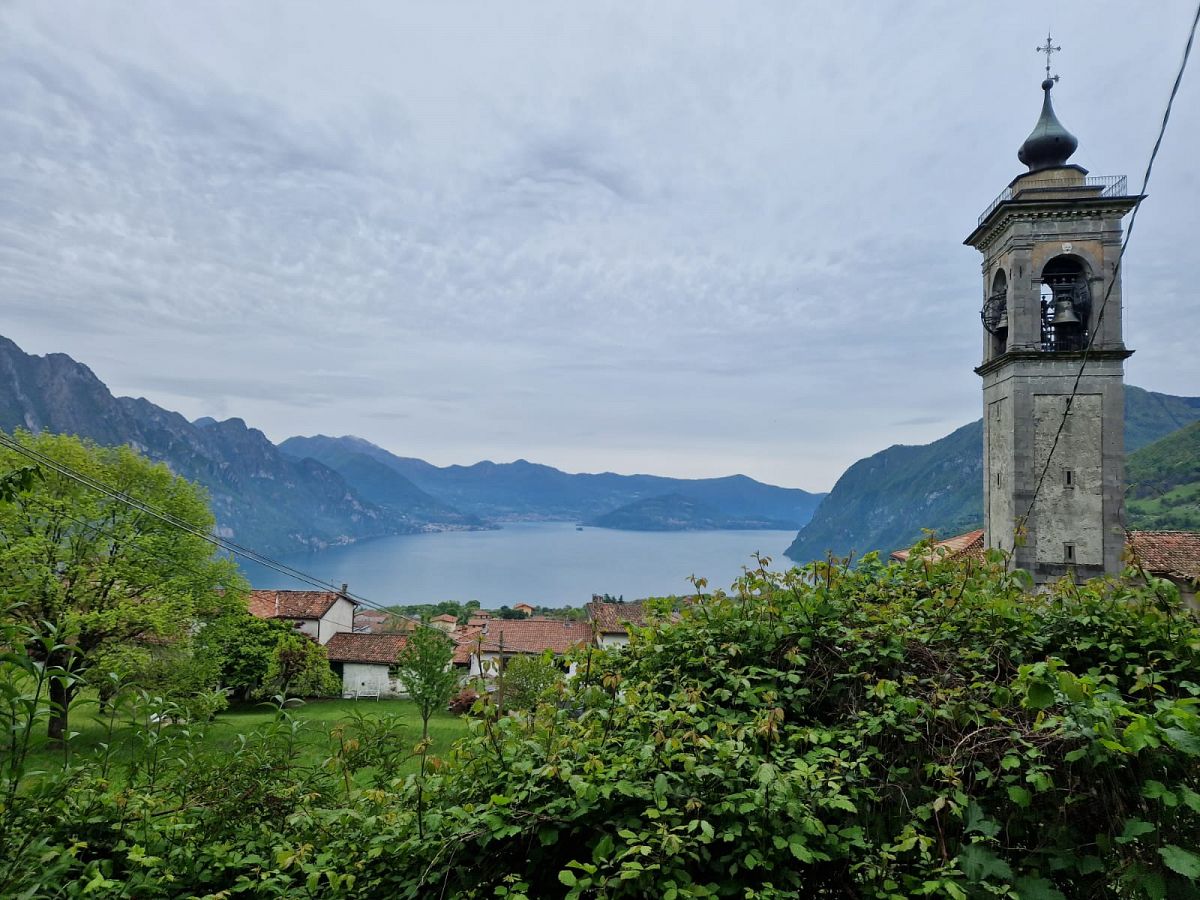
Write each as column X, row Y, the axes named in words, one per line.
column 1164, row 483
column 884, row 501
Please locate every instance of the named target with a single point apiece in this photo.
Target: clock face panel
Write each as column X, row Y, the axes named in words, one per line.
column 994, row 313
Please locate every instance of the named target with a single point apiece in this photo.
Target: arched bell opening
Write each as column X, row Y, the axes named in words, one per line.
column 995, row 314
column 1066, row 304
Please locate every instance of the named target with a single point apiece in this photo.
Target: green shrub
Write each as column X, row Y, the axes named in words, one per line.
column 883, row 732
column 530, row 680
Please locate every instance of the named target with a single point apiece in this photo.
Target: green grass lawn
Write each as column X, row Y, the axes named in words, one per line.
column 318, row 719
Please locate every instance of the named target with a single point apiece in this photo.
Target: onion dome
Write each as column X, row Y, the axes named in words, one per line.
column 1049, row 144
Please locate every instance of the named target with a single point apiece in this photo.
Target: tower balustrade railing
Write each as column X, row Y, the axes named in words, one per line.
column 1110, row 186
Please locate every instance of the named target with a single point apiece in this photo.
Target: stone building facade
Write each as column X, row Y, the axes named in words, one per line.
column 1054, row 453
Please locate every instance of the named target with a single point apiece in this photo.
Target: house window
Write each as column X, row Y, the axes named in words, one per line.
column 1068, row 552
column 1068, row 478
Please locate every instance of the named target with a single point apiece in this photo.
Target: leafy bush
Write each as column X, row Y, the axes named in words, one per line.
column 299, row 667
column 529, row 680
column 884, row 732
column 462, row 702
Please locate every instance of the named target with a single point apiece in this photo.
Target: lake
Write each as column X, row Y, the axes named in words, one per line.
column 546, row 563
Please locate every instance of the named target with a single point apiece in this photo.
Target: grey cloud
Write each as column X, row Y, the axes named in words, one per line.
column 640, row 224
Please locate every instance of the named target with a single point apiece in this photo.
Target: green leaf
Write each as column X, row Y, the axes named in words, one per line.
column 1134, row 829
column 1019, row 796
column 1179, row 860
column 1039, row 695
column 979, row 864
column 567, row 877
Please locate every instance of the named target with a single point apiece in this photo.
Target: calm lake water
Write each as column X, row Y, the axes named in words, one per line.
column 548, row 563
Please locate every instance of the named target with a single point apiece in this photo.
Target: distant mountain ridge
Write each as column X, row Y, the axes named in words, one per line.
column 311, row 493
column 260, row 497
column 525, row 490
column 674, row 512
column 884, row 501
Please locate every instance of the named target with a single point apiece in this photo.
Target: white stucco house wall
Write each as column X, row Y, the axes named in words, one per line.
column 364, row 662
column 318, row 614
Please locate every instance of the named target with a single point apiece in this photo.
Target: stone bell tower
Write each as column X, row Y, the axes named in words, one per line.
column 1050, row 244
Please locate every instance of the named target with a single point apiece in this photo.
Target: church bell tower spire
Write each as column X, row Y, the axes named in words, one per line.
column 1054, row 451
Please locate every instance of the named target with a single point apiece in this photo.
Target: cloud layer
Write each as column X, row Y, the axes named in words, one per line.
column 685, row 239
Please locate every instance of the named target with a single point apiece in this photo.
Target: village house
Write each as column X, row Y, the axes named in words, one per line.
column 1174, row 555
column 366, row 664
column 961, row 547
column 318, row 614
column 491, row 648
column 610, row 620
column 524, row 609
column 445, row 622
column 370, row 621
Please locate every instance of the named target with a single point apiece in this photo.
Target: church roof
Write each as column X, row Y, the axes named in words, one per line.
column 1049, row 145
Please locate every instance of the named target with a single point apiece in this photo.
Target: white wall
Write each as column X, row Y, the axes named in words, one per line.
column 612, row 640
column 339, row 618
column 370, row 677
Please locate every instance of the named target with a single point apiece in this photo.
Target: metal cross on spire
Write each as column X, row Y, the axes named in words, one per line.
column 1049, row 48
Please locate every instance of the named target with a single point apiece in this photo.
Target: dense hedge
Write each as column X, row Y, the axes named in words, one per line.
column 882, row 731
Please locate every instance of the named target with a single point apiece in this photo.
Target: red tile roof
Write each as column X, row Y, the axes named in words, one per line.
column 1173, row 554
column 962, row 546
column 465, row 642
column 365, row 648
column 444, row 617
column 291, row 604
column 611, row 618
column 535, row 635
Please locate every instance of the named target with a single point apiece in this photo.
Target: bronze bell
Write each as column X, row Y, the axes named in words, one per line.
column 1002, row 322
column 1064, row 311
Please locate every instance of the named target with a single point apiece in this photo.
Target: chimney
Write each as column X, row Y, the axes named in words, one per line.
column 343, row 590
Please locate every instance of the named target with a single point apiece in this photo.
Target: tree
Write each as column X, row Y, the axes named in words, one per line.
column 299, row 667
column 97, row 570
column 529, row 679
column 243, row 646
column 424, row 667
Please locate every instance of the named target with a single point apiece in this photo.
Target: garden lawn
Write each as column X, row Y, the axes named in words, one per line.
column 317, row 718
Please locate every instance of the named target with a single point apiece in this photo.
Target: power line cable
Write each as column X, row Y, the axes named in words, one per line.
column 1187, row 51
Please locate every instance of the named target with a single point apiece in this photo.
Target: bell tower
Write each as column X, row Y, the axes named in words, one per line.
column 1050, row 245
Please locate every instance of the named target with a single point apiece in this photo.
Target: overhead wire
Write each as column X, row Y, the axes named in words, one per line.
column 1187, row 51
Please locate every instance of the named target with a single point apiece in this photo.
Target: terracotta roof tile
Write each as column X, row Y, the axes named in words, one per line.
column 961, row 546
column 444, row 617
column 611, row 618
column 1166, row 553
column 535, row 635
column 291, row 604
column 365, row 648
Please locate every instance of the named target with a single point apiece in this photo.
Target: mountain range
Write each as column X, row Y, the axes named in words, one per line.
column 884, row 501
column 526, row 490
column 312, row 492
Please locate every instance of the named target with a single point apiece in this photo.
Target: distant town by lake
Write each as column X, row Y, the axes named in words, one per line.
column 546, row 563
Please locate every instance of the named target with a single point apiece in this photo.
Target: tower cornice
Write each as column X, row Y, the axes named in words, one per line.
column 1013, row 356
column 1009, row 211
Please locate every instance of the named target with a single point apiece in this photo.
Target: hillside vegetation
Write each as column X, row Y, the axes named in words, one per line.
column 1164, row 483
column 674, row 512
column 885, row 501
column 884, row 732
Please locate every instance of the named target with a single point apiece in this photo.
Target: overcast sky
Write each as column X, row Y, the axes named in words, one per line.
column 681, row 238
